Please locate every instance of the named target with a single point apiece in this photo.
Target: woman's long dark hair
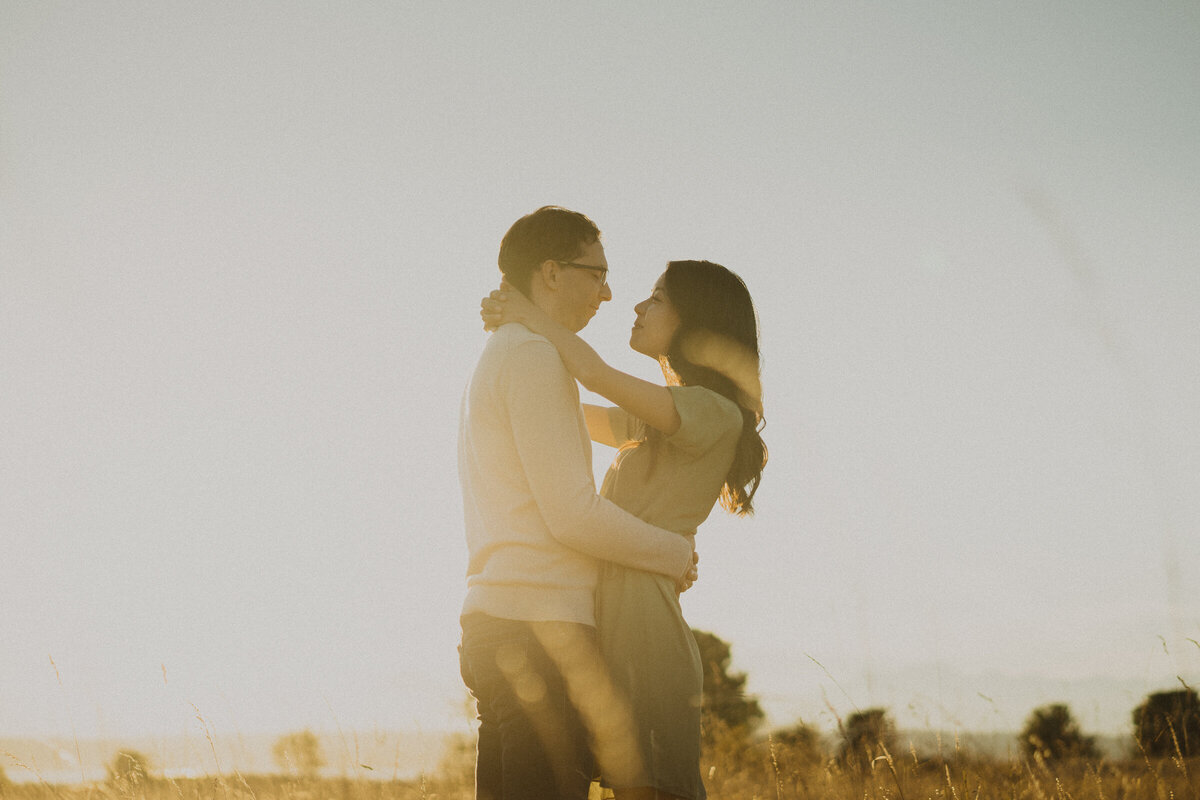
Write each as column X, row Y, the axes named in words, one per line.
column 716, row 346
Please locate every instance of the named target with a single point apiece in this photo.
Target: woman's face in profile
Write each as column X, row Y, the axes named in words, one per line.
column 656, row 323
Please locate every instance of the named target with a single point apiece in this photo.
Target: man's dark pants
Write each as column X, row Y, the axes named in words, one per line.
column 532, row 741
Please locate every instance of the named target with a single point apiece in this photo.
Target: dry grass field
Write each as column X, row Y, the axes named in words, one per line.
column 766, row 770
column 778, row 772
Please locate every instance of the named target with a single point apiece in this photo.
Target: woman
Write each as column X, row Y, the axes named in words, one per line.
column 683, row 447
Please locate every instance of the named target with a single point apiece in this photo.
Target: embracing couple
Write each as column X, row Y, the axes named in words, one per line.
column 573, row 645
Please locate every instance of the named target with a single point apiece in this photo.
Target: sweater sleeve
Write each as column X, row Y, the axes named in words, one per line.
column 543, row 409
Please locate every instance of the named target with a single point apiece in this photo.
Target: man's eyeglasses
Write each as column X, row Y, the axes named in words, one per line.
column 601, row 271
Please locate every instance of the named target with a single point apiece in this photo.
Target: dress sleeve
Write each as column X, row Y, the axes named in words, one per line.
column 543, row 408
column 625, row 427
column 705, row 418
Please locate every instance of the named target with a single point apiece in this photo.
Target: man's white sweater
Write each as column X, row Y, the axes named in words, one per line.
column 536, row 529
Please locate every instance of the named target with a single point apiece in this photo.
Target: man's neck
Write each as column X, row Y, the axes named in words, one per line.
column 546, row 303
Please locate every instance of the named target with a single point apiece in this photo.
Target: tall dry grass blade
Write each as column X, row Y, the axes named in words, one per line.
column 775, row 767
column 1098, row 781
column 892, row 769
column 950, row 783
column 212, row 745
column 1035, row 783
column 71, row 716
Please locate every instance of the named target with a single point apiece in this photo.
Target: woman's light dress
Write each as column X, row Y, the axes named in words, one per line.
column 648, row 647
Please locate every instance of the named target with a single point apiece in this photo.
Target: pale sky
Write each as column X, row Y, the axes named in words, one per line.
column 241, row 251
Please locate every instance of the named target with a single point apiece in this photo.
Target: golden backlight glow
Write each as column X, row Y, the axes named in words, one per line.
column 241, row 251
column 722, row 354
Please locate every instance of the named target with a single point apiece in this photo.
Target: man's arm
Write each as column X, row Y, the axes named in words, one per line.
column 543, row 410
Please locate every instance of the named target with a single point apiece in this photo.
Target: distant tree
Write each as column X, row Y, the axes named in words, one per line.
column 299, row 754
column 129, row 773
column 797, row 748
column 1168, row 723
column 725, row 700
column 865, row 736
column 1052, row 733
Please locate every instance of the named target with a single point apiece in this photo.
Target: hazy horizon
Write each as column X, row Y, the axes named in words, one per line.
column 372, row 755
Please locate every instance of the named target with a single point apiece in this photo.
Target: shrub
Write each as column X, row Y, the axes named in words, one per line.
column 1051, row 733
column 798, row 748
column 865, row 737
column 1168, row 724
column 299, row 754
column 726, row 705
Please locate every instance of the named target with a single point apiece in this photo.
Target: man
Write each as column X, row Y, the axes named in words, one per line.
column 536, row 529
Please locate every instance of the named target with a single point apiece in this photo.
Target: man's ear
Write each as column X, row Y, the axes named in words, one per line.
column 550, row 270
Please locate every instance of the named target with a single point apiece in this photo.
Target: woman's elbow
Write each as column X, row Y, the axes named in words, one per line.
column 671, row 423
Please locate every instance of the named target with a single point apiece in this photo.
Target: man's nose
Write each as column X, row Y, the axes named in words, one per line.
column 605, row 292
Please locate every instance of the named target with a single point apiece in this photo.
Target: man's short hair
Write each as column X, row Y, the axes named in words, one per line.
column 550, row 233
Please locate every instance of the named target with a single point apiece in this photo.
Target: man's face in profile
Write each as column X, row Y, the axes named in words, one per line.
column 584, row 286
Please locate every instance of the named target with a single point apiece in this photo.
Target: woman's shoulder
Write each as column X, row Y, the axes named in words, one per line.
column 703, row 396
column 701, row 407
